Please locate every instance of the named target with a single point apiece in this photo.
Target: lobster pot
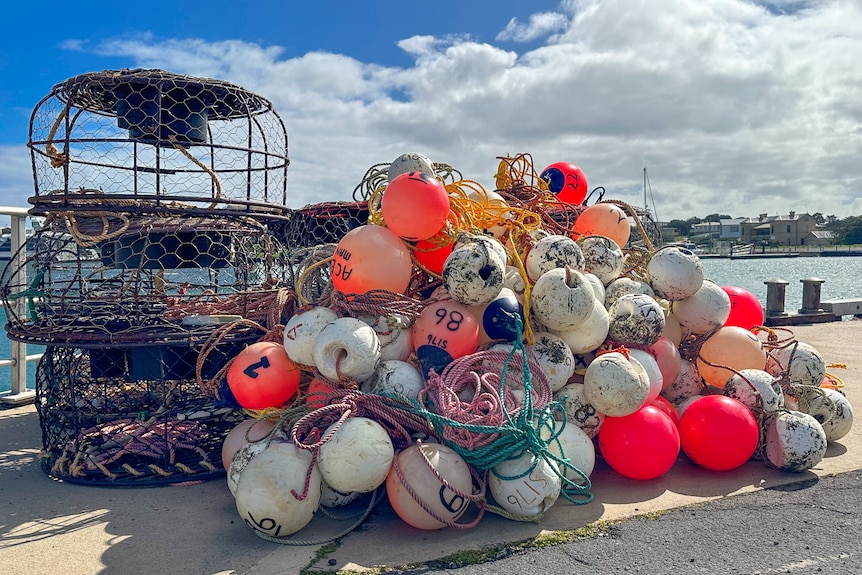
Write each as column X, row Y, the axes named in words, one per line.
column 325, row 223
column 148, row 279
column 102, row 425
column 137, row 140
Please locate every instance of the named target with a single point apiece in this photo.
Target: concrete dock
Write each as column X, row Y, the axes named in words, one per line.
column 51, row 527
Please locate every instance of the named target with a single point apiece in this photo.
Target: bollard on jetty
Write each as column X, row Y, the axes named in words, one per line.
column 811, row 295
column 775, row 290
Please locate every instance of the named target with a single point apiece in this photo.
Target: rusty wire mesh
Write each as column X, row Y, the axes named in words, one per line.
column 138, row 140
column 133, row 416
column 163, row 279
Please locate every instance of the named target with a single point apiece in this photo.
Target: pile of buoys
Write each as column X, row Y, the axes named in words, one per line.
column 527, row 347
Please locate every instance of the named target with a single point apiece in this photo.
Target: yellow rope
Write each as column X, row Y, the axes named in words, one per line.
column 201, row 165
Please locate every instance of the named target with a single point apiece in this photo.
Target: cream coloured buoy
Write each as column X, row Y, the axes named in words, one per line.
column 757, row 390
column 729, row 347
column 410, row 162
column 347, row 348
column 329, row 497
column 527, row 485
column 265, row 497
column 420, row 468
column 357, row 456
column 602, row 257
column 801, row 360
column 513, row 280
column 473, row 273
column 395, row 377
column 795, row 441
column 579, row 411
column 555, row 358
column 301, row 331
column 598, row 287
column 615, row 385
column 247, row 431
column 590, row 334
column 624, row 286
column 636, row 319
column 562, row 299
column 675, row 273
column 705, row 310
column 552, row 252
column 395, row 335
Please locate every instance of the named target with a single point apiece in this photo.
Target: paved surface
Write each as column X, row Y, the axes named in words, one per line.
column 692, row 526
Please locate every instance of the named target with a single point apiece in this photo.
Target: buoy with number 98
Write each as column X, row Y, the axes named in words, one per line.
column 445, row 330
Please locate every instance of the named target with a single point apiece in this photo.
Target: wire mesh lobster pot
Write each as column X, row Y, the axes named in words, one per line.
column 162, row 279
column 150, row 139
column 102, row 426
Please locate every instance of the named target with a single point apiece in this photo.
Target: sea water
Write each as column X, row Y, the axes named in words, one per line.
column 842, row 277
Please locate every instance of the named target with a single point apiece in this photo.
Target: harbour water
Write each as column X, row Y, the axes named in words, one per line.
column 841, row 275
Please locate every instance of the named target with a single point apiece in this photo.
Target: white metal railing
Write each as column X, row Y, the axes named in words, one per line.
column 19, row 358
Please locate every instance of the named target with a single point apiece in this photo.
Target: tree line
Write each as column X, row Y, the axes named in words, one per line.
column 846, row 231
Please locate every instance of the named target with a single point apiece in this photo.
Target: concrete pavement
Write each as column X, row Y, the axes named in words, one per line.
column 49, row 527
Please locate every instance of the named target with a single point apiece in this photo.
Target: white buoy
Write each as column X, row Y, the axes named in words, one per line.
column 579, row 411
column 513, row 280
column 795, row 441
column 410, row 162
column 492, row 201
column 801, row 360
column 555, row 358
column 590, row 334
column 520, row 490
column 624, row 286
column 493, row 244
column 265, row 497
column 841, row 421
column 704, row 311
column 615, row 385
column 473, row 273
column 636, row 319
column 598, row 287
column 573, row 444
column 395, row 376
column 240, row 461
column 552, row 252
column 357, row 457
column 301, row 331
column 757, row 390
column 347, row 348
column 650, row 366
column 675, row 273
column 562, row 299
column 602, row 257
column 395, row 336
column 329, row 497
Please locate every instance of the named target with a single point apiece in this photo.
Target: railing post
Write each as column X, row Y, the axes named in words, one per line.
column 18, row 349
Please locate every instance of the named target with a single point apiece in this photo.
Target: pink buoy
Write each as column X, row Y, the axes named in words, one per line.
column 415, row 206
column 606, row 220
column 371, row 257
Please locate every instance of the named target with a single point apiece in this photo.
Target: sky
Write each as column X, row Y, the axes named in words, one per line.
column 737, row 107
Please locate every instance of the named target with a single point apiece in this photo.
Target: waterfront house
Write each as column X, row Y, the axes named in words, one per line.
column 787, row 230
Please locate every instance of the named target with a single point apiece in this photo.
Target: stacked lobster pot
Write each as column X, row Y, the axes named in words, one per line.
column 162, row 195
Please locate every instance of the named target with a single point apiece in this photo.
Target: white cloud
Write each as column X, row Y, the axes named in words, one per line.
column 539, row 26
column 734, row 107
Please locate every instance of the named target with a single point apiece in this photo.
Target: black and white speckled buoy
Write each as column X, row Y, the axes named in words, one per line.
column 602, row 257
column 842, row 419
column 704, row 311
column 396, row 377
column 562, row 299
column 473, row 273
column 795, row 441
column 624, row 286
column 554, row 251
column 757, row 390
column 409, row 162
column 804, row 364
column 555, row 357
column 687, row 383
column 395, row 335
column 636, row 319
column 579, row 411
column 615, row 385
column 675, row 273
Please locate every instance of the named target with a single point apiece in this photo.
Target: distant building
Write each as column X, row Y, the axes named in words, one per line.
column 788, row 230
column 731, row 229
column 704, row 231
column 818, row 238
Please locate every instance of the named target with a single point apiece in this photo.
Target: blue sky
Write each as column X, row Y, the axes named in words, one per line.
column 734, row 106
